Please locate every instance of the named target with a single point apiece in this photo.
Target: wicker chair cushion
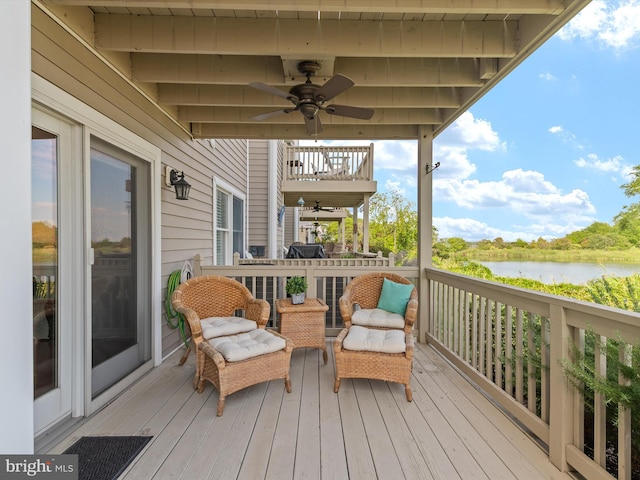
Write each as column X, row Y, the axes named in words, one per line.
column 394, row 296
column 376, row 317
column 220, row 326
column 247, row 345
column 374, row 340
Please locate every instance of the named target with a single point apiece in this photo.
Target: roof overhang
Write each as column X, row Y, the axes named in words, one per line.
column 417, row 64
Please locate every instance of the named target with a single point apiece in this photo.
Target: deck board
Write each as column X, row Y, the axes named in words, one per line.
column 333, row 460
column 368, row 430
column 307, row 463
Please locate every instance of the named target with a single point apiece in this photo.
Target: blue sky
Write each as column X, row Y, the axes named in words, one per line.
column 545, row 151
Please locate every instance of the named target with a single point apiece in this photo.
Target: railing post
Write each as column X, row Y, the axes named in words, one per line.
column 561, row 398
column 312, row 282
column 197, row 265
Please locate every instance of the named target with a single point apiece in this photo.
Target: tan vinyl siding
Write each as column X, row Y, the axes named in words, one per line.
column 187, row 227
column 259, row 194
column 289, row 227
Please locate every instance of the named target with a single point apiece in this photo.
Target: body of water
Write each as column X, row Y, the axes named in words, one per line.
column 559, row 272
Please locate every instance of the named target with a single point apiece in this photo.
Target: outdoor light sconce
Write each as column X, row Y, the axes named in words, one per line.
column 301, row 202
column 175, row 179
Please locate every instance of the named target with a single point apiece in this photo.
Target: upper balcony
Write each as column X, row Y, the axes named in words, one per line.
column 333, row 176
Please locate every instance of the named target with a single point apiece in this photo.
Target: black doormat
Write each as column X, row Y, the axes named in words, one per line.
column 105, row 458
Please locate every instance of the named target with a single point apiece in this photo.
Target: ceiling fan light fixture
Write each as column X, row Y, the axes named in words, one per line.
column 309, row 110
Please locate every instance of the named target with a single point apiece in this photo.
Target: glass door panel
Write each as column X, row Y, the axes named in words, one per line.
column 50, row 166
column 44, row 226
column 120, row 321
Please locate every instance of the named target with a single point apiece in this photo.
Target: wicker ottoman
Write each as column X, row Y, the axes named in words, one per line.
column 390, row 367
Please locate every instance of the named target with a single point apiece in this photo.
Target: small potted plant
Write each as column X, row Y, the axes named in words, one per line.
column 296, row 287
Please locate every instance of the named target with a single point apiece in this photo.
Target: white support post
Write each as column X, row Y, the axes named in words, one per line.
column 425, row 215
column 365, row 225
column 16, row 346
column 272, row 207
column 355, row 229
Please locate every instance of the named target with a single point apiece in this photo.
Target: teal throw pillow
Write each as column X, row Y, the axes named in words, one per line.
column 394, row 297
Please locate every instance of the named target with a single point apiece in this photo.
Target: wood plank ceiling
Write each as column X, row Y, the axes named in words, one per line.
column 416, row 63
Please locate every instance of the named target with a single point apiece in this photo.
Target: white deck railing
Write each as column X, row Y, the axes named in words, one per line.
column 326, row 277
column 328, row 163
column 510, row 342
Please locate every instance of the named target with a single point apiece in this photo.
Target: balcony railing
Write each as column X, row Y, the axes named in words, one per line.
column 326, row 277
column 509, row 341
column 328, row 163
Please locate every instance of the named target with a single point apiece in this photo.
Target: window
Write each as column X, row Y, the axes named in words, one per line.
column 229, row 222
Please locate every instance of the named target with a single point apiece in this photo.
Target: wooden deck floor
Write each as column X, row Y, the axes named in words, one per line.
column 369, row 430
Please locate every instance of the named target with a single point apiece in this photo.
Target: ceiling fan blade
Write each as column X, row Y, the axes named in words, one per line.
column 347, row 111
column 313, row 125
column 264, row 116
column 273, row 91
column 334, row 86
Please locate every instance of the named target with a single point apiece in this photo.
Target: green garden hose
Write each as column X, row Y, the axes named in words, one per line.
column 175, row 319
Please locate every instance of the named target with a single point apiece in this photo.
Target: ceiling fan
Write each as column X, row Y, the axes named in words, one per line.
column 309, row 98
column 318, row 208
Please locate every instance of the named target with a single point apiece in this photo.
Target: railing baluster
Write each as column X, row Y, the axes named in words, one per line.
column 455, row 313
column 531, row 367
column 519, row 357
column 466, row 327
column 497, row 371
column 508, row 350
column 474, row 331
column 599, row 407
column 489, row 340
column 482, row 338
column 544, row 371
column 578, row 402
column 625, row 469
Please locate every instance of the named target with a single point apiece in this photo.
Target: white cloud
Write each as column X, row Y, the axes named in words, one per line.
column 396, row 155
column 454, row 162
column 565, row 136
column 471, row 133
column 547, row 76
column 614, row 24
column 524, row 192
column 452, row 146
column 616, row 164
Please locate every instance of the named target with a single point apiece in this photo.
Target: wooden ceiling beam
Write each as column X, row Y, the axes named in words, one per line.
column 388, row 116
column 554, row 7
column 306, row 38
column 241, row 70
column 371, row 97
column 295, row 131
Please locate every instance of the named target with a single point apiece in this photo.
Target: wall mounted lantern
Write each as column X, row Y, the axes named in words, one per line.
column 175, row 179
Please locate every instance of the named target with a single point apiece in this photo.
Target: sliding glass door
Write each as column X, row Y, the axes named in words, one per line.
column 120, row 271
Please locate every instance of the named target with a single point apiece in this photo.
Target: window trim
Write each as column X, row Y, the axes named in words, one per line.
column 225, row 187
